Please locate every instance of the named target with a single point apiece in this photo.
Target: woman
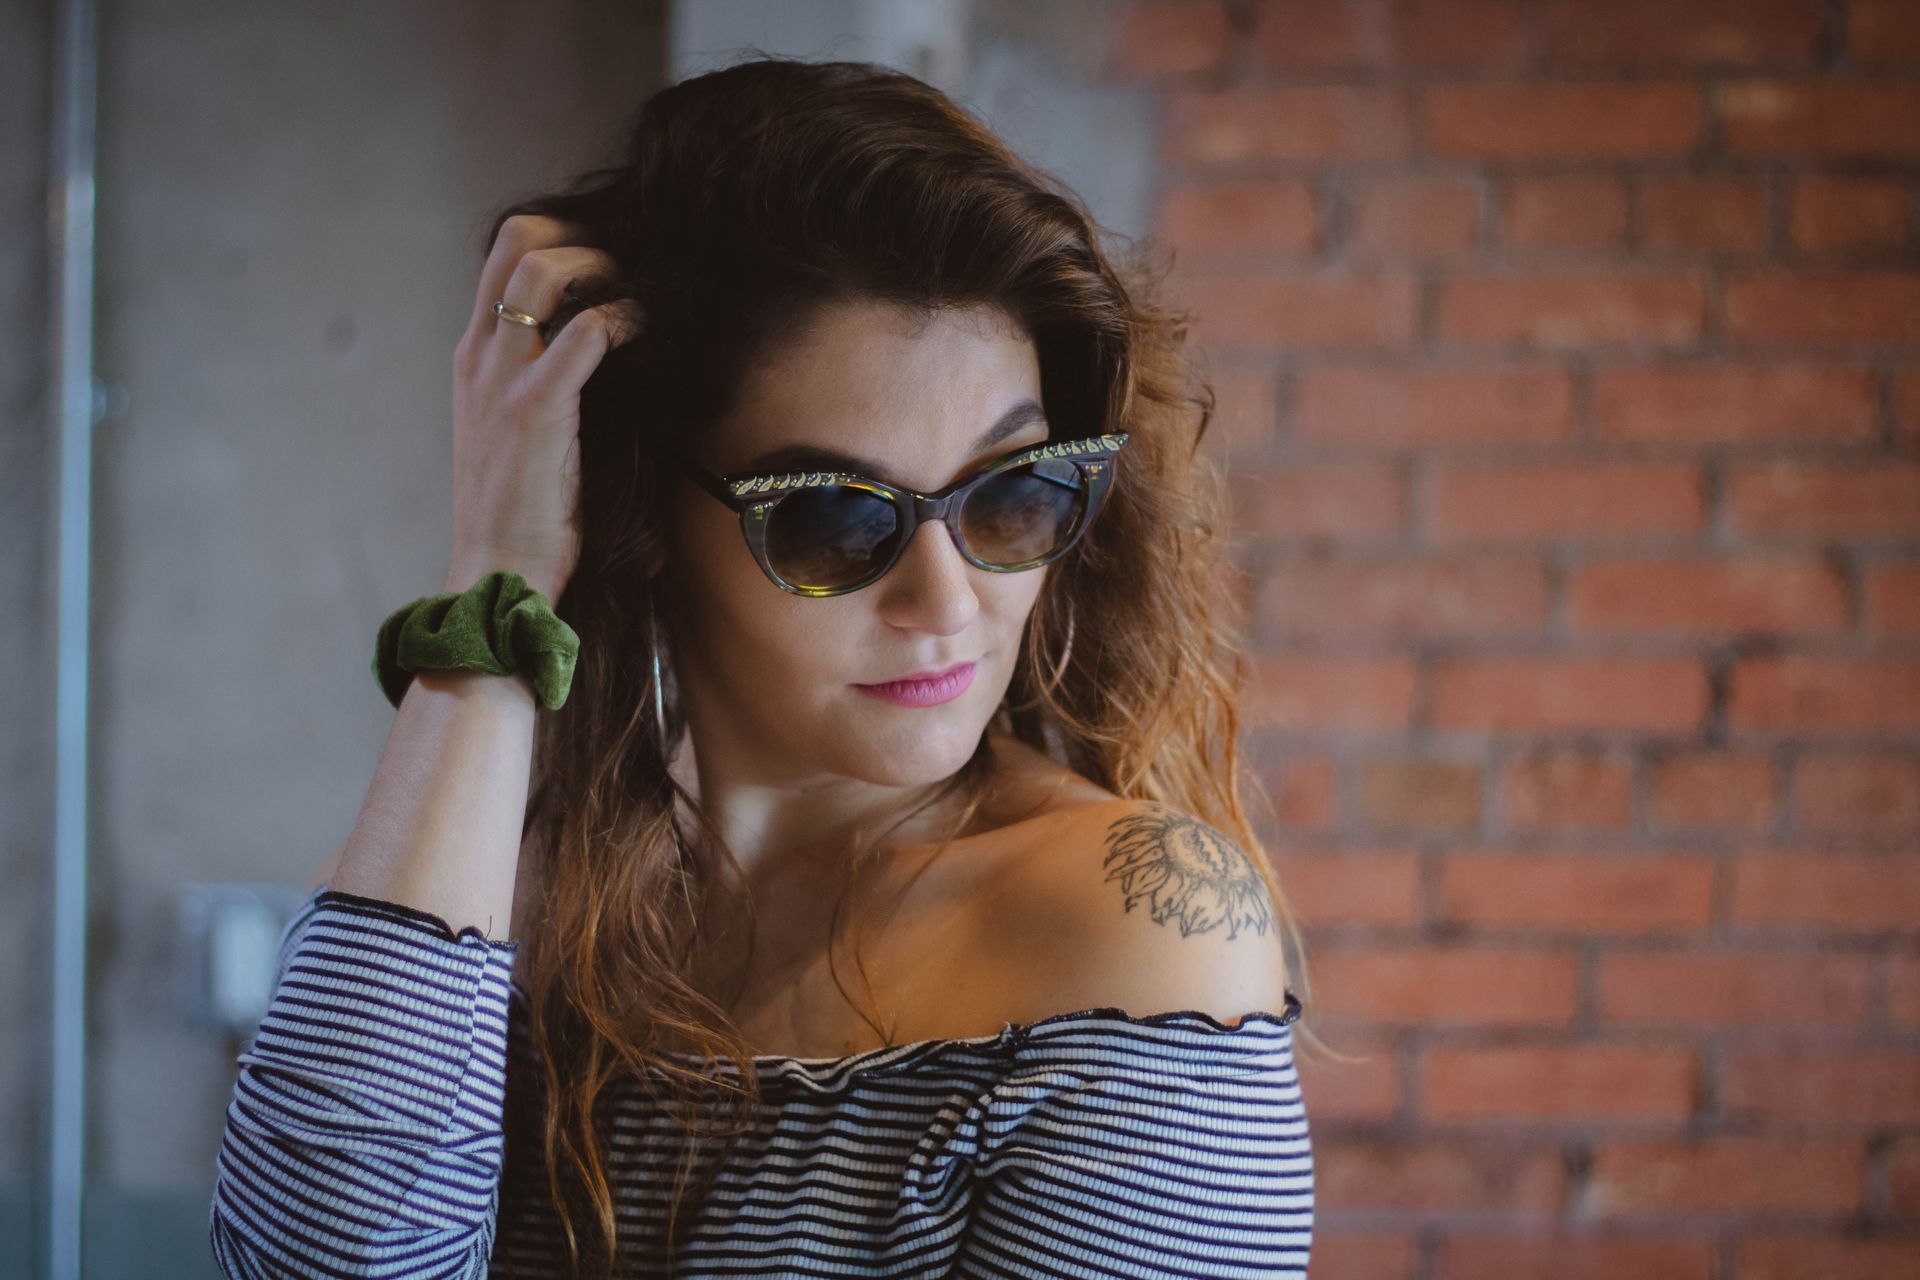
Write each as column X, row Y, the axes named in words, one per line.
column 983, row 748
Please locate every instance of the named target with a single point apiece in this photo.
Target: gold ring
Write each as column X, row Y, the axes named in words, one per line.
column 515, row 314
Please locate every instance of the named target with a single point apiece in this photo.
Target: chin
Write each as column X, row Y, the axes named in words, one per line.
column 913, row 752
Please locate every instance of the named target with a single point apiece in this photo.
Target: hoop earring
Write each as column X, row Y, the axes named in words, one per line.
column 659, row 697
column 1066, row 652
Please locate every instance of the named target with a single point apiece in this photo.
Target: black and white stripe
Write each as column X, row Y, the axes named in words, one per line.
column 367, row 1137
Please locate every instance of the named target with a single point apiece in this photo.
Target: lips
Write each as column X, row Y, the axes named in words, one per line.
column 942, row 686
column 913, row 676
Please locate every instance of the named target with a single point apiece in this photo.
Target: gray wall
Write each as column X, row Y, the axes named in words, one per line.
column 290, row 200
column 26, row 527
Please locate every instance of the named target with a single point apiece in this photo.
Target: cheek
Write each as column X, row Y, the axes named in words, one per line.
column 720, row 593
column 746, row 626
column 1015, row 594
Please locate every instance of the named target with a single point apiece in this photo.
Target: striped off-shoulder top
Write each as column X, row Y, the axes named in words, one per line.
column 367, row 1136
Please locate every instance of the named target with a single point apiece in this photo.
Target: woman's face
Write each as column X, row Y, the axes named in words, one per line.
column 771, row 679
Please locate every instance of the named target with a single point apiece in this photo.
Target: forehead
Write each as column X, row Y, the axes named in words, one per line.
column 912, row 398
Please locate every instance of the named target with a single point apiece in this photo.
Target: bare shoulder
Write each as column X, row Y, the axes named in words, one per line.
column 1139, row 905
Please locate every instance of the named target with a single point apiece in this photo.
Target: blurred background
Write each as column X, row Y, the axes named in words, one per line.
column 1568, row 357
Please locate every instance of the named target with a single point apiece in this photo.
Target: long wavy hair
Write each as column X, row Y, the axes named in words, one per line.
column 745, row 200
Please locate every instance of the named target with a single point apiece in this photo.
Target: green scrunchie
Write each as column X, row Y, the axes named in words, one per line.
column 499, row 625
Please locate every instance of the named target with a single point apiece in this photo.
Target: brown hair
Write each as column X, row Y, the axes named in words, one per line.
column 746, row 199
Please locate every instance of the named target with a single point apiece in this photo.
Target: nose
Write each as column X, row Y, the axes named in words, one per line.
column 930, row 588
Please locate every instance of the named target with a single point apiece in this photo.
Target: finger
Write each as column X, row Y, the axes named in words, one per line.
column 518, row 234
column 579, row 348
column 538, row 285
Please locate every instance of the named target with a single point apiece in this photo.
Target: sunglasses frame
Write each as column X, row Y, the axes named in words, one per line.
column 754, row 495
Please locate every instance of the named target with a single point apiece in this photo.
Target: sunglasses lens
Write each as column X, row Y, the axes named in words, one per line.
column 1026, row 512
column 832, row 536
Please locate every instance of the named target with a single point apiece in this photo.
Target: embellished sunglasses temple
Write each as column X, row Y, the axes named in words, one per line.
column 754, row 496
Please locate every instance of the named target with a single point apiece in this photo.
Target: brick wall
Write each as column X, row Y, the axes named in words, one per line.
column 1569, row 362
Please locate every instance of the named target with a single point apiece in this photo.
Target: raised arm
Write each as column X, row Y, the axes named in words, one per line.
column 440, row 829
column 365, row 1131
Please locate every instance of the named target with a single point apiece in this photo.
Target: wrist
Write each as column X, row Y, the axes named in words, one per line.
column 494, row 622
column 512, row 687
column 462, row 576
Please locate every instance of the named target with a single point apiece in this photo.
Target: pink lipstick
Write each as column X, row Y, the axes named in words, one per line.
column 924, row 691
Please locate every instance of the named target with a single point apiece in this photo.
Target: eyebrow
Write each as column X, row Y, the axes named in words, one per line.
column 807, row 457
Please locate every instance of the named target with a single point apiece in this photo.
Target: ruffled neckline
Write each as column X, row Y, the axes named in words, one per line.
column 827, row 1074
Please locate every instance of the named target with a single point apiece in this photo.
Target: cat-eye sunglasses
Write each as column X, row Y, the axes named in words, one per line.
column 825, row 533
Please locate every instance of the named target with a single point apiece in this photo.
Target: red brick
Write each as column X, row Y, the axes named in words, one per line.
column 1836, row 215
column 1577, row 893
column 1274, row 312
column 1343, row 35
column 1691, row 990
column 1903, row 1175
column 1401, row 217
column 1649, row 32
column 1348, row 501
column 1370, row 1255
column 1564, row 500
column 1303, row 791
column 1352, row 887
column 1154, row 38
column 1649, row 695
column 1454, row 595
column 1862, row 795
column 1569, row 1254
column 1246, row 405
column 1724, row 790
column 1822, row 1086
column 1906, row 411
column 1215, row 219
column 1638, row 306
column 1809, row 1257
column 1815, row 695
column 1560, row 122
column 1437, row 1176
column 1563, row 212
column 1561, row 788
column 1830, row 119
column 1304, row 125
column 1710, row 214
column 1586, row 1083
column 1485, row 986
column 1824, row 500
column 1306, row 692
column 1892, row 599
column 1883, row 31
column 1433, row 407
column 1903, row 999
column 1346, row 1091
column 1703, row 596
column 1736, row 404
column 1419, row 795
column 1725, row 1175
column 1842, row 892
column 1787, row 305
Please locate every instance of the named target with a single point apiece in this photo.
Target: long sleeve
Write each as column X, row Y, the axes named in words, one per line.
column 1158, row 1147
column 365, row 1132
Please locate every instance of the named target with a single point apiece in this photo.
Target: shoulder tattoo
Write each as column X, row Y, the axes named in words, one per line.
column 1185, row 870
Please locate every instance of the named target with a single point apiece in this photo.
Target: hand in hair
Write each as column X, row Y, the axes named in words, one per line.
column 516, row 405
